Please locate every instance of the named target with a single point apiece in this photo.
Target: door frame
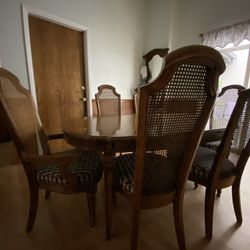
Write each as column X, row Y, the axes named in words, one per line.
column 26, row 11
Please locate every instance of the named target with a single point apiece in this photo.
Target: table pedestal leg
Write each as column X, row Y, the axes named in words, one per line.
column 108, row 171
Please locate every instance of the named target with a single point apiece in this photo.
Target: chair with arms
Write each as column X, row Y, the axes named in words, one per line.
column 221, row 113
column 136, row 101
column 148, row 58
column 174, row 110
column 146, row 71
column 108, row 101
column 66, row 172
column 224, row 167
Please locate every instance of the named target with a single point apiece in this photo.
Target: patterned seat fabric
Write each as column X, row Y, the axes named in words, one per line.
column 203, row 163
column 159, row 174
column 212, row 145
column 87, row 167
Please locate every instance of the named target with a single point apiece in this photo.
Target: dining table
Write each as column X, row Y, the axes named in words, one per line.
column 109, row 135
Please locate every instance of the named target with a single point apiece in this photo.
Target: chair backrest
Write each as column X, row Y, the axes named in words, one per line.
column 148, row 57
column 224, row 106
column 235, row 143
column 174, row 110
column 108, row 125
column 20, row 115
column 108, row 101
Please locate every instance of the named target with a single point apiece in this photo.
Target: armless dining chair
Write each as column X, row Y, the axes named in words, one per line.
column 108, row 101
column 66, row 172
column 173, row 113
column 224, row 167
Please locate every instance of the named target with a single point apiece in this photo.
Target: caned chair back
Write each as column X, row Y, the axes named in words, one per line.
column 224, row 106
column 66, row 173
column 235, row 143
column 20, row 115
column 108, row 101
column 174, row 110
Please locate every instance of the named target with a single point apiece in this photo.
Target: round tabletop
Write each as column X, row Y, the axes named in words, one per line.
column 104, row 133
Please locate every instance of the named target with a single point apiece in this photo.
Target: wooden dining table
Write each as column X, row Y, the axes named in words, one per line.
column 109, row 135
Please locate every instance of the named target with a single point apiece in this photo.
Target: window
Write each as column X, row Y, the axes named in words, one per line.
column 237, row 59
column 234, row 44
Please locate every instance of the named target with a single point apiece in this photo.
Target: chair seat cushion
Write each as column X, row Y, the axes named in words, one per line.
column 160, row 174
column 203, row 163
column 212, row 145
column 87, row 167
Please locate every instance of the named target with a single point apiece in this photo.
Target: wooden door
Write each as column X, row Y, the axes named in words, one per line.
column 58, row 64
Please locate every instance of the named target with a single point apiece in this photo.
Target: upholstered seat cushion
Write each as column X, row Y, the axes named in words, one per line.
column 160, row 174
column 203, row 163
column 87, row 167
column 212, row 145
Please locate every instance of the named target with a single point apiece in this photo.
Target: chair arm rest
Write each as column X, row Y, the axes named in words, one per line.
column 61, row 160
column 212, row 135
column 48, row 159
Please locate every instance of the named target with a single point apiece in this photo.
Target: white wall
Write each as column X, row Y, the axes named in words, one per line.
column 199, row 16
column 12, row 53
column 120, row 31
column 115, row 32
column 157, row 24
column 162, row 24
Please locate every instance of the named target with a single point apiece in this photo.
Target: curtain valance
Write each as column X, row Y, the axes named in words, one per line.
column 235, row 34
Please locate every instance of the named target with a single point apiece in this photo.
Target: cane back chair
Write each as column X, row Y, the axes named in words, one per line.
column 65, row 172
column 224, row 168
column 108, row 101
column 222, row 111
column 148, row 57
column 146, row 77
column 174, row 110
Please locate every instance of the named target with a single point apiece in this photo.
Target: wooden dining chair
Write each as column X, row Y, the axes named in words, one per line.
column 136, row 101
column 108, row 101
column 106, row 127
column 161, row 52
column 146, row 70
column 65, row 172
column 173, row 113
column 224, row 167
column 222, row 111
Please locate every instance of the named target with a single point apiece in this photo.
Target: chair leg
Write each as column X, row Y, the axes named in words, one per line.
column 178, row 219
column 47, row 194
column 236, row 202
column 135, row 227
column 91, row 208
column 108, row 159
column 209, row 210
column 218, row 192
column 33, row 207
